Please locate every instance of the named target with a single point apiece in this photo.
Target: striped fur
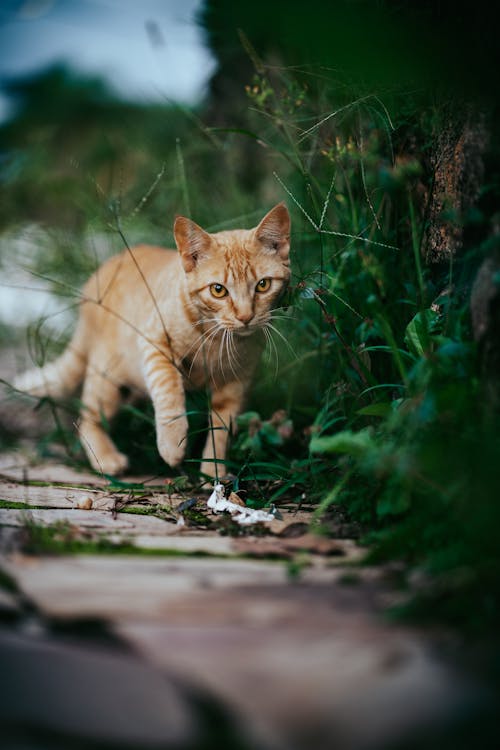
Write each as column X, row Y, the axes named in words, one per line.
column 149, row 321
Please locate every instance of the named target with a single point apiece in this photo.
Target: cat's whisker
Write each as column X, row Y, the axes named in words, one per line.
column 210, row 339
column 222, row 346
column 199, row 343
column 232, row 354
column 201, row 340
column 207, row 338
column 282, row 317
column 228, row 347
column 234, row 346
column 272, row 349
column 267, row 348
column 210, row 345
column 224, row 350
column 270, row 327
column 202, row 335
column 203, row 321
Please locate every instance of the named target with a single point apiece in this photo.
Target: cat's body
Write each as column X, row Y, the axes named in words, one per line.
column 160, row 322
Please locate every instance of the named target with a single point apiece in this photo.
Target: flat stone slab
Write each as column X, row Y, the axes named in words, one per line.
column 89, row 498
column 97, row 520
column 186, row 543
column 18, row 468
column 116, row 586
column 85, row 696
column 55, row 496
column 337, row 680
column 8, row 603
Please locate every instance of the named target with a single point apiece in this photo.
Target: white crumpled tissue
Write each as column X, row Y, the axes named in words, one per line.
column 218, row 503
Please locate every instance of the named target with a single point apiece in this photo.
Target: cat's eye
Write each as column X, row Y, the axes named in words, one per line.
column 218, row 291
column 263, row 286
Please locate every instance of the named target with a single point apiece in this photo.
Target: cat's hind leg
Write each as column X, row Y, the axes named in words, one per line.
column 100, row 401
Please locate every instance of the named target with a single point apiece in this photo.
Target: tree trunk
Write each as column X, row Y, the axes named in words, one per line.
column 458, row 171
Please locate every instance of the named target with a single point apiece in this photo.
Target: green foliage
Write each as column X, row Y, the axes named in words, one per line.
column 259, row 438
column 352, row 443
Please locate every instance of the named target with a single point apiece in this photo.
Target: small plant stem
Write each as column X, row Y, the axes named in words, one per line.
column 182, row 176
column 416, row 251
column 448, row 306
column 420, row 278
column 387, row 330
column 332, row 496
column 353, row 355
column 61, row 430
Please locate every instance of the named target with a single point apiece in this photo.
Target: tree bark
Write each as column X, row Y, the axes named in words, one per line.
column 458, row 171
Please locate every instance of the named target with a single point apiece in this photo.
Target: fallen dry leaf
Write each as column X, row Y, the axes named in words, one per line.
column 274, row 546
column 294, row 530
column 236, row 499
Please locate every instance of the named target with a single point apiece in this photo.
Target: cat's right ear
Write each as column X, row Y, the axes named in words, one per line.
column 192, row 242
column 273, row 231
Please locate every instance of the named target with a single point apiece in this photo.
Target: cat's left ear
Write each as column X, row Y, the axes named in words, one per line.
column 273, row 231
column 192, row 242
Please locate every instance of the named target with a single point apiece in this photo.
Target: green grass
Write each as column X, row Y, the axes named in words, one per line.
column 11, row 505
column 60, row 539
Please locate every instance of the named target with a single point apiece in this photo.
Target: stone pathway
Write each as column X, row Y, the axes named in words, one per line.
column 199, row 639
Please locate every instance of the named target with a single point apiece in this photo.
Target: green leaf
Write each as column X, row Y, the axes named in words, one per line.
column 307, row 293
column 418, row 330
column 382, row 409
column 352, row 443
column 395, row 501
column 244, row 420
column 270, row 434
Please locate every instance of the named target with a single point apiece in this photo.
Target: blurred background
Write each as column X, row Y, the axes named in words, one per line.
column 377, row 123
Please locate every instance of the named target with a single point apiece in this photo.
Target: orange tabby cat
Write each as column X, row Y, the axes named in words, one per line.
column 160, row 322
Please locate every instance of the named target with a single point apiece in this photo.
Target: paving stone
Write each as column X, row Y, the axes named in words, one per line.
column 306, row 664
column 340, row 682
column 55, row 497
column 17, row 468
column 11, row 460
column 97, row 520
column 9, row 604
column 211, row 543
column 206, row 543
column 116, row 586
column 78, row 696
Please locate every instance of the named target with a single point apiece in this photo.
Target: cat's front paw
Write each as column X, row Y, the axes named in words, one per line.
column 172, row 440
column 112, row 463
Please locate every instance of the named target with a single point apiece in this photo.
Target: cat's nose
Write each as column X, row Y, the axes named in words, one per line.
column 244, row 316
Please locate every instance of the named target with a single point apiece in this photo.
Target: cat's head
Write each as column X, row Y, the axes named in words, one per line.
column 235, row 278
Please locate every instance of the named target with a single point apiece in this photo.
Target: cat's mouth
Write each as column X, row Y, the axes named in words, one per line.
column 244, row 330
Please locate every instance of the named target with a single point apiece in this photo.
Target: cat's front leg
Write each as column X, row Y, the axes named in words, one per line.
column 165, row 386
column 227, row 402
